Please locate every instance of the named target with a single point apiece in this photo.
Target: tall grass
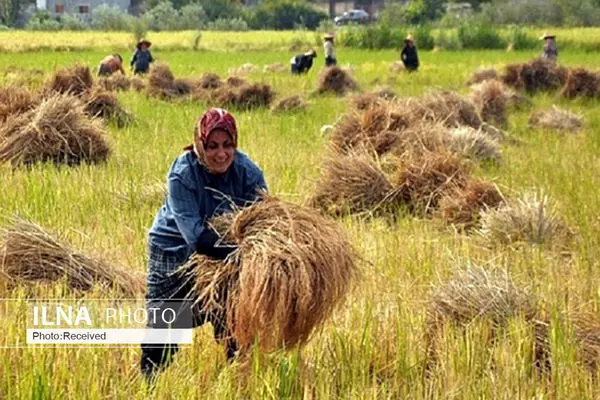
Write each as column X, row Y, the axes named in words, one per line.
column 375, row 346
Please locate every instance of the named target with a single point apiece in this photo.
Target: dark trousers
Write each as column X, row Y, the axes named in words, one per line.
column 167, row 289
column 330, row 61
column 295, row 69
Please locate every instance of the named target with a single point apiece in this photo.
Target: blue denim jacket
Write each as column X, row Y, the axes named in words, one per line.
column 195, row 196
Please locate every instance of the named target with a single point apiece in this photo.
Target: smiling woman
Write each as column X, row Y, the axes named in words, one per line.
column 208, row 179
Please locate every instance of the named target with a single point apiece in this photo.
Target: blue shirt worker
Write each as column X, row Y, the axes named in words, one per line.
column 142, row 58
column 205, row 181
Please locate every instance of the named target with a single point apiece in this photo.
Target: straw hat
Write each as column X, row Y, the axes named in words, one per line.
column 142, row 42
column 547, row 35
column 410, row 38
column 311, row 53
column 328, row 36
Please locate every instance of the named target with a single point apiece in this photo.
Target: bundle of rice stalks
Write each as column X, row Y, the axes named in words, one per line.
column 352, row 183
column 581, row 83
column 483, row 75
column 235, row 81
column 291, row 103
column 462, row 206
column 247, row 68
column 277, row 67
column 491, row 99
column 30, row 254
column 246, row 97
column 556, row 119
column 474, row 144
column 335, row 80
column 420, row 138
column 292, row 269
column 57, row 130
column 422, row 181
column 163, row 85
column 137, row 84
column 538, row 75
column 385, row 92
column 14, row 100
column 115, row 83
column 182, row 87
column 586, row 329
column 209, row 80
column 75, row 80
column 365, row 101
column 476, row 293
column 100, row 103
column 533, row 218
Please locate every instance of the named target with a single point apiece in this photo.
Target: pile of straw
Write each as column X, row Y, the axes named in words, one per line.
column 335, row 80
column 538, row 75
column 291, row 103
column 209, row 80
column 247, row 68
column 245, row 97
column 163, row 85
column 556, row 119
column 14, row 100
column 292, row 269
column 75, row 80
column 115, row 83
column 533, row 218
column 420, row 182
column 461, row 207
column 235, row 81
column 29, row 254
column 474, row 144
column 100, row 103
column 352, row 183
column 137, row 84
column 581, row 83
column 491, row 98
column 57, row 130
column 483, row 75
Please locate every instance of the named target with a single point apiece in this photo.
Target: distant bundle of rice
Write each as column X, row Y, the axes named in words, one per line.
column 100, row 103
column 29, row 254
column 235, row 81
column 538, row 75
column 385, row 92
column 292, row 269
column 351, row 183
column 115, row 82
column 137, row 84
column 290, row 103
column 533, row 218
column 75, row 80
column 277, row 67
column 422, row 181
column 582, row 83
column 462, row 206
column 247, row 68
column 491, row 98
column 335, row 80
column 365, row 101
column 483, row 75
column 209, row 80
column 246, row 96
column 57, row 130
column 163, row 85
column 557, row 119
column 14, row 100
column 474, row 144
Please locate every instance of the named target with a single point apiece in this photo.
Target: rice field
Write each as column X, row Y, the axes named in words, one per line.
column 384, row 342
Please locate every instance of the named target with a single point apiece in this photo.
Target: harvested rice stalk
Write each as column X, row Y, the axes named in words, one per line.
column 57, row 131
column 538, row 75
column 115, row 83
column 14, row 100
column 581, row 83
column 557, row 119
column 75, row 80
column 533, row 218
column 100, row 103
column 163, row 85
column 29, row 254
column 352, row 183
column 483, row 75
column 462, row 207
column 474, row 144
column 291, row 103
column 491, row 99
column 292, row 269
column 335, row 80
column 422, row 181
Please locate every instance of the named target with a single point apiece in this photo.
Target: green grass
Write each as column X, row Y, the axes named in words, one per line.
column 374, row 347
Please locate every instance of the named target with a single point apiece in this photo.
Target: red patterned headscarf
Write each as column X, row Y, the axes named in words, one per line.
column 216, row 118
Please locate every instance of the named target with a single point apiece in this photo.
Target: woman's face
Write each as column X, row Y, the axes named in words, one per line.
column 219, row 151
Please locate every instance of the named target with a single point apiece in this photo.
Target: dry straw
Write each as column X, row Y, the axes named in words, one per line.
column 483, row 75
column 581, row 83
column 14, row 100
column 292, row 269
column 163, row 85
column 533, row 218
column 351, row 183
column 491, row 98
column 75, row 80
column 57, row 130
column 115, row 83
column 538, row 75
column 474, row 144
column 462, row 207
column 29, row 254
column 335, row 80
column 291, row 103
column 100, row 103
column 557, row 119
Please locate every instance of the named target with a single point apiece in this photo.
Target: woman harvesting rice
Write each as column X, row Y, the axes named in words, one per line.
column 202, row 183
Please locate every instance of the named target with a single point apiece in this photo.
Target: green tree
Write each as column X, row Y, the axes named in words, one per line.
column 9, row 11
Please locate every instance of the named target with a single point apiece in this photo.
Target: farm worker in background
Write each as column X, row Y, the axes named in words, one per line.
column 550, row 49
column 203, row 182
column 302, row 63
column 140, row 62
column 329, row 51
column 111, row 64
column 409, row 55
